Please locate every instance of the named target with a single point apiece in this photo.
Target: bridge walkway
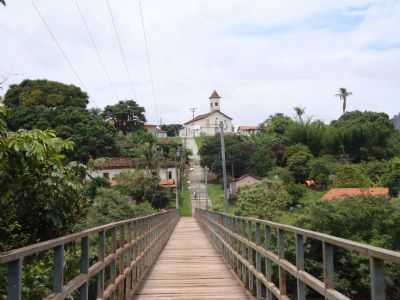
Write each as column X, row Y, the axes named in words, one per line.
column 190, row 268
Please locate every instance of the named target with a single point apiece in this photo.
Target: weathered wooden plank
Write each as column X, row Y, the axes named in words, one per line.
column 190, row 268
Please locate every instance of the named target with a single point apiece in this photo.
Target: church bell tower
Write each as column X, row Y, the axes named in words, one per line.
column 214, row 101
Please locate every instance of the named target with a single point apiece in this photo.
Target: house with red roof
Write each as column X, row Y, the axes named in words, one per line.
column 339, row 193
column 247, row 130
column 245, row 180
column 208, row 123
column 110, row 168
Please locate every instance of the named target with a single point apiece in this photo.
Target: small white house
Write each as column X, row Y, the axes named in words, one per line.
column 208, row 124
column 112, row 167
column 247, row 130
column 155, row 130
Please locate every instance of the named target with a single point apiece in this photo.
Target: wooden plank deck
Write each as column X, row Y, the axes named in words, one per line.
column 190, row 268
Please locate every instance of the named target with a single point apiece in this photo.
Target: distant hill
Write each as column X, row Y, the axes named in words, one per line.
column 396, row 121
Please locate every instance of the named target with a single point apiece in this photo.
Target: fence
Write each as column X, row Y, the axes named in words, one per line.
column 126, row 249
column 246, row 245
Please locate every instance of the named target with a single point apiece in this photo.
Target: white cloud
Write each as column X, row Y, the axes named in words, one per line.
column 194, row 51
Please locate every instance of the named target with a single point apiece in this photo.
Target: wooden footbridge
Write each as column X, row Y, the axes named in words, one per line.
column 211, row 256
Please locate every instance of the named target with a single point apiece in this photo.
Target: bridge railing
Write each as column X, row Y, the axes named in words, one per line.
column 252, row 246
column 120, row 257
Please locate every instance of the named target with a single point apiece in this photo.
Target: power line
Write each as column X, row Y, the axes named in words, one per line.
column 63, row 53
column 95, row 48
column 121, row 48
column 148, row 57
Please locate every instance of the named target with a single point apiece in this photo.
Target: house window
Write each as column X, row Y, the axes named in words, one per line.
column 216, row 103
column 106, row 175
column 169, row 174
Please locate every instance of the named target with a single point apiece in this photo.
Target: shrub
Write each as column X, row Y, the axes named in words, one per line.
column 266, row 200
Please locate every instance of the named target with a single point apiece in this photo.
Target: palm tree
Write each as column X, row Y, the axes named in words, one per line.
column 300, row 111
column 150, row 158
column 343, row 94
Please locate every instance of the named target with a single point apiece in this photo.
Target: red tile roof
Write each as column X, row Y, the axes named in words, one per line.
column 215, row 95
column 245, row 176
column 167, row 182
column 117, row 163
column 247, row 128
column 351, row 192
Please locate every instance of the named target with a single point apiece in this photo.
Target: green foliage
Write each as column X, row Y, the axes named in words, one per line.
column 276, row 126
column 348, row 176
column 216, row 195
column 266, row 200
column 131, row 144
column 320, row 170
column 185, row 203
column 362, row 136
column 142, row 186
column 296, row 191
column 127, row 116
column 110, row 206
column 392, row 177
column 264, row 157
column 375, row 170
column 92, row 136
column 33, row 178
column 92, row 186
column 237, row 149
column 297, row 162
column 45, row 92
column 309, row 133
column 369, row 220
column 172, row 129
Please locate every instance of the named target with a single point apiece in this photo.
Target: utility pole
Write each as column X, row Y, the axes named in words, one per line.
column 221, row 133
column 206, row 184
column 177, row 168
column 193, row 110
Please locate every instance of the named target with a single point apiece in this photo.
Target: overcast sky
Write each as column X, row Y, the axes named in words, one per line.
column 263, row 56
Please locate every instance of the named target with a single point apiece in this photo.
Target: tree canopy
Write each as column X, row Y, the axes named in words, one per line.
column 127, row 116
column 45, row 92
column 92, row 136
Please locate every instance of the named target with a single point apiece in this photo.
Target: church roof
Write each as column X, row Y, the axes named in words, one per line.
column 201, row 117
column 215, row 95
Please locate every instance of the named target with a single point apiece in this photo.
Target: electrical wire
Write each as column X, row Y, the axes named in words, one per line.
column 95, row 48
column 121, row 48
column 53, row 36
column 148, row 57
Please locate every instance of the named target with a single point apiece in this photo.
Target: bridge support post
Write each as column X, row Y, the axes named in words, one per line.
column 14, row 276
column 301, row 288
column 377, row 279
column 268, row 263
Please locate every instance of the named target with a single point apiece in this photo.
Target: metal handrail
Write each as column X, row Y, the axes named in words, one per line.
column 239, row 238
column 135, row 245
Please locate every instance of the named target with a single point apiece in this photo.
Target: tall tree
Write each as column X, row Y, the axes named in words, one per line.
column 92, row 136
column 45, row 92
column 127, row 116
column 343, row 94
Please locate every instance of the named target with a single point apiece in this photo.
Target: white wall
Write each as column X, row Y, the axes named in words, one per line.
column 163, row 173
column 208, row 126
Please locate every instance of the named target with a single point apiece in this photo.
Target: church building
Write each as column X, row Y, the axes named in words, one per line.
column 208, row 124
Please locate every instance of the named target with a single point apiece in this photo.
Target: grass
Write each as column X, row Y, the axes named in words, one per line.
column 175, row 139
column 216, row 195
column 185, row 201
column 200, row 141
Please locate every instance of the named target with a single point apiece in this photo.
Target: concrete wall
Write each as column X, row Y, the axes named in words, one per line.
column 163, row 173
